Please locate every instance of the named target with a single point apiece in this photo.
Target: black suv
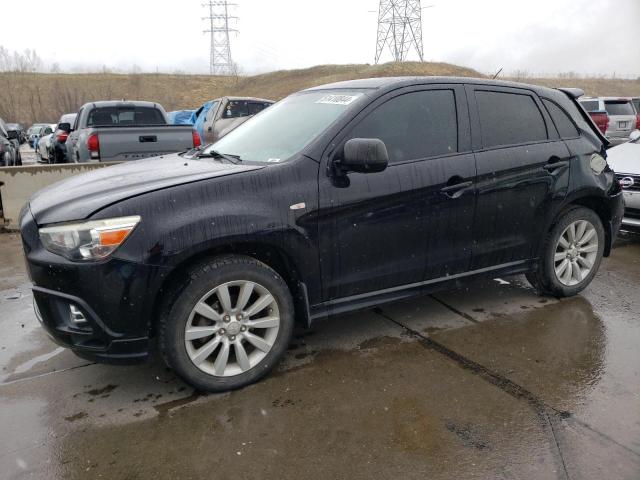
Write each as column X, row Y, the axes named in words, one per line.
column 336, row 198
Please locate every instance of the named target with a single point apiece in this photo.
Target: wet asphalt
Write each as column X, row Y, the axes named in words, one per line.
column 490, row 381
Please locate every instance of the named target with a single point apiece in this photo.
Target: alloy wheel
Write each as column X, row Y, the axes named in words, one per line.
column 232, row 328
column 576, row 252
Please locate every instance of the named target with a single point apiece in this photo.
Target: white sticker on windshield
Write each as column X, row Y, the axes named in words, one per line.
column 273, row 160
column 338, row 99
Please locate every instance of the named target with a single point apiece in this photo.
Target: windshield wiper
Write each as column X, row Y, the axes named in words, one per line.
column 214, row 154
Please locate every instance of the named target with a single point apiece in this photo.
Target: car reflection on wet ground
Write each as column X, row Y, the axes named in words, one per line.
column 490, row 381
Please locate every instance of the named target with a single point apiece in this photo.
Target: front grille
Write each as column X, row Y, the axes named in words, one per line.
column 632, row 213
column 629, row 182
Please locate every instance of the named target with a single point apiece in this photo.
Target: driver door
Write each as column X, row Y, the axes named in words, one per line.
column 381, row 232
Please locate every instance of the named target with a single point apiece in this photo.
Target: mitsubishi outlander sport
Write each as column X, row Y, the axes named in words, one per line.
column 337, row 198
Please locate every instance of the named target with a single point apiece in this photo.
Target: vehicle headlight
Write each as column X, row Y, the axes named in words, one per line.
column 92, row 240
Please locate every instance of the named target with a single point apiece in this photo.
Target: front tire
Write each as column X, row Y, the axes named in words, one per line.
column 571, row 254
column 229, row 324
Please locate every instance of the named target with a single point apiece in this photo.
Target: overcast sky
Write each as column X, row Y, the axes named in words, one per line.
column 540, row 36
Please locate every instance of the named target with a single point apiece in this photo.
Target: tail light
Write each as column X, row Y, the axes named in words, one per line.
column 196, row 139
column 93, row 145
column 62, row 137
column 638, row 121
column 601, row 120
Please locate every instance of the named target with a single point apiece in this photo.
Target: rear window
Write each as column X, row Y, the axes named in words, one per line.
column 636, row 103
column 617, row 107
column 562, row 121
column 509, row 119
column 124, row 116
column 590, row 105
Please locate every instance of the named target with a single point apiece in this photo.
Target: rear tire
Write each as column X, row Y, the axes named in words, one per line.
column 571, row 254
column 229, row 323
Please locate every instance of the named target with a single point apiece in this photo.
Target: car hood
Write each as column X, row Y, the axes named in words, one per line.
column 625, row 158
column 78, row 197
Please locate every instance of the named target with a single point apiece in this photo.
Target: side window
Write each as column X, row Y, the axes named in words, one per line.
column 564, row 124
column 236, row 109
column 509, row 119
column 414, row 125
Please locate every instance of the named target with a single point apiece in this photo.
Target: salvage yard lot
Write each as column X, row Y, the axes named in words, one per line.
column 490, row 381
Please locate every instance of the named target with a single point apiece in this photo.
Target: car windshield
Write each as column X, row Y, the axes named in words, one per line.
column 284, row 129
column 619, row 108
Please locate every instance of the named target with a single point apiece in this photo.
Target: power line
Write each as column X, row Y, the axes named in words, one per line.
column 400, row 28
column 220, row 62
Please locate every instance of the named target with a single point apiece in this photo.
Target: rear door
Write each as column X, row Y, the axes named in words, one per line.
column 413, row 220
column 523, row 171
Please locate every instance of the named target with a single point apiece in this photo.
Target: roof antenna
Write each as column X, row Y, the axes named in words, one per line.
column 497, row 73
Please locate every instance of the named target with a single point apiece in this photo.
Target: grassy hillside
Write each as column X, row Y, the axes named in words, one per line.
column 29, row 98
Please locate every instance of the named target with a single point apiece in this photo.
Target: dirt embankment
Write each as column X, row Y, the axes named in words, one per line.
column 28, row 97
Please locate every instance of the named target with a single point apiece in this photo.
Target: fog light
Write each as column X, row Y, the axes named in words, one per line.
column 76, row 316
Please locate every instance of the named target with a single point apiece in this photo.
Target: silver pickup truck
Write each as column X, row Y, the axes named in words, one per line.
column 117, row 131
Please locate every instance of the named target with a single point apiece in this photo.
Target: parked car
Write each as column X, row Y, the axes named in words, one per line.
column 117, row 131
column 625, row 161
column 36, row 131
column 622, row 118
column 218, row 117
column 9, row 146
column 595, row 108
column 20, row 129
column 58, row 148
column 337, row 198
column 43, row 144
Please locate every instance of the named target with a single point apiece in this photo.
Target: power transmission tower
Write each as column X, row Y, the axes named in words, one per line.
column 220, row 62
column 399, row 28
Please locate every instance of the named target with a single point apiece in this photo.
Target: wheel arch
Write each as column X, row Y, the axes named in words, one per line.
column 597, row 204
column 270, row 255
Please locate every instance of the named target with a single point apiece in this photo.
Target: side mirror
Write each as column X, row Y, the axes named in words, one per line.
column 365, row 155
column 12, row 135
column 635, row 135
column 65, row 127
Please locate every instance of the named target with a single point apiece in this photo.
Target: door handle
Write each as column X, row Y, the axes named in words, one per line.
column 551, row 166
column 456, row 190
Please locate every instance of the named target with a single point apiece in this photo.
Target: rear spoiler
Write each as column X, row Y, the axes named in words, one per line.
column 574, row 94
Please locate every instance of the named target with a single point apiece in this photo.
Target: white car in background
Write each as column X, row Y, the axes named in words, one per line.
column 621, row 114
column 625, row 161
column 44, row 144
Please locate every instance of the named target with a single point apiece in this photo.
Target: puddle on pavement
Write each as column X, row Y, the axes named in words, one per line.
column 567, row 356
column 385, row 401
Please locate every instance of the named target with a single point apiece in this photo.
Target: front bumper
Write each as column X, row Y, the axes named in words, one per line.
column 115, row 299
column 92, row 339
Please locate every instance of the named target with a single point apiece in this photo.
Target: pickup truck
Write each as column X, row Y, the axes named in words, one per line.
column 118, row 131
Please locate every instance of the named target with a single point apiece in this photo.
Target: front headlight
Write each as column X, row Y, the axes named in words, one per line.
column 92, row 240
